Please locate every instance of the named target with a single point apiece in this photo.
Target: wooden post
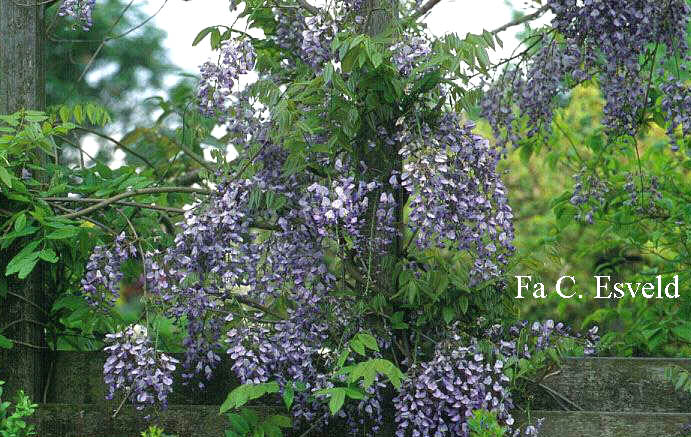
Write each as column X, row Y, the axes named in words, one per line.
column 22, row 86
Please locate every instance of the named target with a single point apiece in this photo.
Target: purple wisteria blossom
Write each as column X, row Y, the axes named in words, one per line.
column 588, row 191
column 441, row 394
column 316, row 41
column 458, row 199
column 135, row 367
column 409, row 52
column 603, row 39
column 80, row 10
column 102, row 279
column 676, row 104
column 540, row 335
column 218, row 80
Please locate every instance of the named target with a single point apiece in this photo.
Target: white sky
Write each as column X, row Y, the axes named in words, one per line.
column 182, row 20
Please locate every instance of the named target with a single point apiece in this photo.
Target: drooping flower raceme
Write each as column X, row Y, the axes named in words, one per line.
column 408, row 53
column 440, row 394
column 316, row 41
column 605, row 39
column 218, row 80
column 676, row 104
column 102, row 281
column 134, row 366
column 80, row 10
column 457, row 197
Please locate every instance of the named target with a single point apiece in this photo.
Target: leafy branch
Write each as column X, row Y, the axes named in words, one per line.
column 125, row 195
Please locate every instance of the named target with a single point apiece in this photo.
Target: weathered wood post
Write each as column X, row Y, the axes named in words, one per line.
column 22, row 86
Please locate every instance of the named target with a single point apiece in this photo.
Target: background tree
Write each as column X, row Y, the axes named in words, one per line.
column 22, row 86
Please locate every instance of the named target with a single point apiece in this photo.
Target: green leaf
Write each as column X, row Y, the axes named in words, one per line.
column 349, row 60
column 247, row 392
column 280, row 421
column 357, row 346
column 288, row 396
column 78, row 114
column 64, row 114
column 250, row 416
column 238, row 423
column 337, row 400
column 354, row 393
column 463, row 304
column 5, row 343
column 341, row 85
column 448, row 313
column 48, row 255
column 342, row 358
column 6, row 177
column 683, row 332
column 24, row 258
column 271, row 430
column 62, row 234
column 376, row 59
column 488, row 39
column 215, row 38
column 328, row 72
column 368, row 340
column 201, row 35
column 26, row 268
column 20, row 222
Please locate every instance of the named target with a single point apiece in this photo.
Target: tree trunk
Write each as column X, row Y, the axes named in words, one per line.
column 22, row 86
column 380, row 13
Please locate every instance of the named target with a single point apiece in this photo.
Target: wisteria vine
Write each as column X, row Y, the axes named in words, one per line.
column 605, row 40
column 282, row 289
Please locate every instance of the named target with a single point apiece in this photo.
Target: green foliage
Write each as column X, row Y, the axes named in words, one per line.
column 368, row 371
column 36, row 223
column 117, row 72
column 13, row 425
column 155, row 431
column 679, row 377
column 239, row 396
column 483, row 423
column 245, row 421
column 628, row 242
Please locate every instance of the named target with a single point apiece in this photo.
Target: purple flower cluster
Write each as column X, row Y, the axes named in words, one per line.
column 288, row 352
column 355, row 6
column 439, row 395
column 290, row 24
column 316, row 41
column 80, row 10
column 676, row 104
column 457, row 197
column 102, row 279
column 409, row 52
column 615, row 35
column 591, row 191
column 217, row 80
column 606, row 38
column 134, row 365
column 540, row 335
column 344, row 207
column 295, row 350
column 652, row 190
